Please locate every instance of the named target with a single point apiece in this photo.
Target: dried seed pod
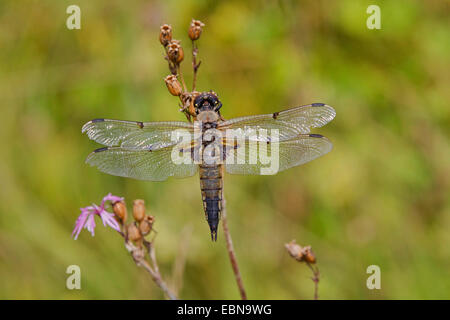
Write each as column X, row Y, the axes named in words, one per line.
column 165, row 34
column 195, row 29
column 191, row 108
column 133, row 232
column 173, row 85
column 138, row 209
column 309, row 255
column 120, row 210
column 300, row 253
column 145, row 226
column 295, row 250
column 175, row 52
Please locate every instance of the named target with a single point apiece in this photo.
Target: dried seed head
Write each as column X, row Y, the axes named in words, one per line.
column 173, row 85
column 133, row 232
column 309, row 255
column 120, row 210
column 175, row 52
column 300, row 253
column 191, row 108
column 145, row 226
column 165, row 35
column 138, row 209
column 294, row 250
column 195, row 29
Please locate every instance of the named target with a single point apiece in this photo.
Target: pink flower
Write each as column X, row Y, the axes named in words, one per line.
column 86, row 218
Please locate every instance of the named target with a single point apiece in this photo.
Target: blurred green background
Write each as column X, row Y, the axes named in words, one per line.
column 381, row 197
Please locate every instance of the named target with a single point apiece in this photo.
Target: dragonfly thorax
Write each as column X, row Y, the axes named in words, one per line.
column 208, row 117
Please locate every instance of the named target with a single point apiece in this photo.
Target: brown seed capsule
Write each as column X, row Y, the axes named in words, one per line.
column 138, row 209
column 165, row 35
column 120, row 210
column 133, row 232
column 191, row 108
column 309, row 255
column 195, row 29
column 145, row 226
column 173, row 85
column 175, row 52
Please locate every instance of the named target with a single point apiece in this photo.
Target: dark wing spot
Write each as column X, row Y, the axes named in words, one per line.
column 101, row 149
column 275, row 115
column 317, row 104
column 315, row 135
column 140, row 124
column 98, row 120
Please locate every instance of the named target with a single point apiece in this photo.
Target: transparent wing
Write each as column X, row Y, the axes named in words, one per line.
column 132, row 134
column 155, row 165
column 290, row 123
column 256, row 158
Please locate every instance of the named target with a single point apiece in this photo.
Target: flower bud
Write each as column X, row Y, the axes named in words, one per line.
column 173, row 85
column 195, row 29
column 145, row 226
column 175, row 52
column 120, row 210
column 133, row 232
column 138, row 209
column 165, row 35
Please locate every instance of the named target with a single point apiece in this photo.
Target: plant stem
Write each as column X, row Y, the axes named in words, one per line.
column 195, row 65
column 139, row 258
column 156, row 276
column 315, row 278
column 230, row 248
column 181, row 78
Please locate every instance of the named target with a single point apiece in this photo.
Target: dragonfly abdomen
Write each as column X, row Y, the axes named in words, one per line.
column 211, row 187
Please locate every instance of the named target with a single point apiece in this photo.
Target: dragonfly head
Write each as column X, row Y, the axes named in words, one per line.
column 207, row 101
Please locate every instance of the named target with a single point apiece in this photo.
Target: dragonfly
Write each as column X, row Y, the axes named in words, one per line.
column 146, row 150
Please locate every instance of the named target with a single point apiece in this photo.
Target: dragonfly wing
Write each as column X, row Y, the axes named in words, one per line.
column 260, row 158
column 289, row 123
column 132, row 134
column 154, row 165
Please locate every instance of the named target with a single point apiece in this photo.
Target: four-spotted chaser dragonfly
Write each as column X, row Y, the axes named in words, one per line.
column 145, row 150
